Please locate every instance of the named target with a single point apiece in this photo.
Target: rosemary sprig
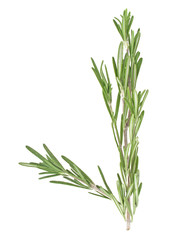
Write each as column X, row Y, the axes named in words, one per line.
column 126, row 70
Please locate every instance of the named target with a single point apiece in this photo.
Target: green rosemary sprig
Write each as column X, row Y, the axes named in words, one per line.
column 126, row 69
column 74, row 176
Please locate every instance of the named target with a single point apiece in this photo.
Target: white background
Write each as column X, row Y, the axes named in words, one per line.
column 49, row 94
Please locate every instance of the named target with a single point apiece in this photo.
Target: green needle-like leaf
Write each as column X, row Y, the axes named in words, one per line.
column 136, row 188
column 76, row 168
column 139, row 63
column 121, row 130
column 98, row 195
column 124, row 29
column 47, row 162
column 130, row 23
column 55, row 160
column 120, row 60
column 139, row 188
column 117, row 106
column 131, row 127
column 76, row 182
column 130, row 190
column 120, row 191
column 67, row 183
column 137, row 56
column 129, row 105
column 96, row 71
column 53, row 175
column 104, row 180
column 118, row 28
column 139, row 122
column 126, row 152
column 135, row 103
column 126, row 73
column 115, row 67
column 102, row 73
column 108, row 105
column 36, row 154
column 144, row 98
column 128, row 208
column 136, row 41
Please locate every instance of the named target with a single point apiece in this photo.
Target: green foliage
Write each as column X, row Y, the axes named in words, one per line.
column 126, row 69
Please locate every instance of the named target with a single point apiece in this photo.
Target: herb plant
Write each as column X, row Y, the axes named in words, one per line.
column 126, row 70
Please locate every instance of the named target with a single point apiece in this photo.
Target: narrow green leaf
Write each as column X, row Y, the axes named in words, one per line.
column 41, row 166
column 129, row 105
column 137, row 56
column 140, row 119
column 114, row 67
column 136, row 41
column 118, row 205
column 131, row 127
column 96, row 71
column 135, row 103
column 66, row 183
column 118, row 20
column 98, row 195
column 139, row 97
column 134, row 202
column 139, row 65
column 134, row 77
column 125, row 112
column 129, row 97
column 107, row 105
column 102, row 74
column 130, row 23
column 53, row 175
column 128, row 208
column 122, row 173
column 107, row 75
column 119, row 178
column 124, row 29
column 104, row 180
column 126, row 73
column 77, row 182
column 31, row 164
column 75, row 168
column 132, row 153
column 132, row 42
column 142, row 94
column 121, row 130
column 120, row 191
column 76, row 174
column 129, row 191
column 115, row 138
column 126, row 152
column 117, row 105
column 120, row 59
column 38, row 155
column 55, row 160
column 136, row 189
column 139, row 188
column 104, row 191
column 118, row 28
column 135, row 165
column 144, row 98
column 43, row 173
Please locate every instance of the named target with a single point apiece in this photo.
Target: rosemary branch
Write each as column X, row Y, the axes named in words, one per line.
column 126, row 70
